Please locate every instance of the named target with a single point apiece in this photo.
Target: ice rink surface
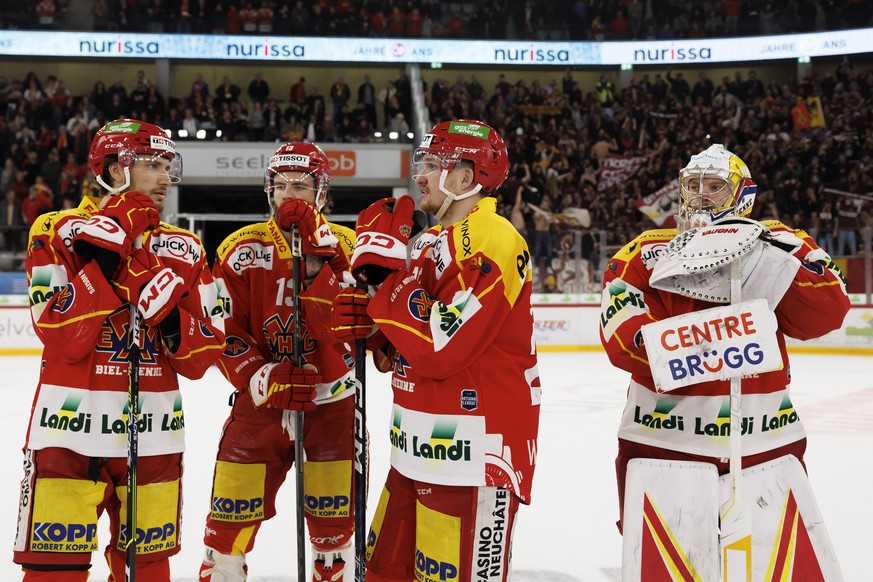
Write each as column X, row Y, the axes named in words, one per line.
column 568, row 533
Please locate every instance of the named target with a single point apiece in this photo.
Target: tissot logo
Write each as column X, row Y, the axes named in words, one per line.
column 119, row 46
column 265, row 49
column 531, row 54
column 672, row 54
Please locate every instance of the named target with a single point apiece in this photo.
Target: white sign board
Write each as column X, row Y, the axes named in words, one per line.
column 712, row 344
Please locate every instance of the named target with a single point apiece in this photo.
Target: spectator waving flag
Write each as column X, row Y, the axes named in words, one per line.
column 661, row 206
column 615, row 169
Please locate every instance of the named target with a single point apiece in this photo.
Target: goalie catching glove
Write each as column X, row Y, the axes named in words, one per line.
column 154, row 289
column 285, row 386
column 696, row 263
column 116, row 226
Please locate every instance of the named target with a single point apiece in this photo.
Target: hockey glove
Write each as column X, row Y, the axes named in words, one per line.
column 152, row 287
column 285, row 386
column 315, row 235
column 350, row 319
column 117, row 225
column 382, row 233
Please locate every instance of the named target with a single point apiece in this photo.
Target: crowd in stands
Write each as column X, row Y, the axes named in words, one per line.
column 513, row 19
column 803, row 142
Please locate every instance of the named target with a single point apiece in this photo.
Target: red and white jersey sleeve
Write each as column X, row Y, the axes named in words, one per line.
column 81, row 399
column 695, row 419
column 465, row 379
column 255, row 276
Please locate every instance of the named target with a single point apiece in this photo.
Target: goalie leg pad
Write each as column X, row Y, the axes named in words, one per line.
column 788, row 533
column 670, row 521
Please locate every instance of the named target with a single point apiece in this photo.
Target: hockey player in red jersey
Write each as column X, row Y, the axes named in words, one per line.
column 673, row 436
column 256, row 450
column 466, row 387
column 85, row 267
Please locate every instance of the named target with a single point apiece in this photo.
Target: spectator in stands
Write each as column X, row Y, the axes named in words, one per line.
column 367, row 96
column 340, row 93
column 848, row 211
column 259, row 89
column 38, row 201
column 297, row 93
column 227, row 92
column 12, row 225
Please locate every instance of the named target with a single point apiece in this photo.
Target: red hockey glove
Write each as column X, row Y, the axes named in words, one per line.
column 152, row 287
column 315, row 235
column 382, row 233
column 285, row 386
column 117, row 225
column 350, row 319
column 316, row 304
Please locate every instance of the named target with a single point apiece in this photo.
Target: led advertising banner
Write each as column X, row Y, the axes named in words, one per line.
column 472, row 52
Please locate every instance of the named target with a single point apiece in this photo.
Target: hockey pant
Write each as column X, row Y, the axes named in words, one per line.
column 425, row 531
column 255, row 455
column 63, row 494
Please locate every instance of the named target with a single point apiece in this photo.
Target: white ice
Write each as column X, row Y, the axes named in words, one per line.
column 568, row 533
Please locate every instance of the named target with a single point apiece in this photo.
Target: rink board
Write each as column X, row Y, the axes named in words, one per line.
column 562, row 323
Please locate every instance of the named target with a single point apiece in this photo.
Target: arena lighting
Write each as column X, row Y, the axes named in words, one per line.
column 803, row 60
column 393, row 135
column 201, row 134
column 183, row 133
column 436, row 65
column 410, row 135
column 169, row 133
column 377, row 134
column 627, row 67
column 218, row 133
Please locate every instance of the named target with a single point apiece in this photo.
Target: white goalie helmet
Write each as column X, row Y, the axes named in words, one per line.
column 716, row 183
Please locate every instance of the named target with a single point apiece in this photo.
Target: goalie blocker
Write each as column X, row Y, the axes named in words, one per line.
column 671, row 522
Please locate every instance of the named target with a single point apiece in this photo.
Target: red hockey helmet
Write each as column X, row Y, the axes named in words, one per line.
column 131, row 140
column 299, row 157
column 473, row 141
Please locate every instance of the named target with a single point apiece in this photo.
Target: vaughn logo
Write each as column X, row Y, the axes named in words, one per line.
column 532, row 54
column 658, row 54
column 120, row 46
column 265, row 49
column 471, row 129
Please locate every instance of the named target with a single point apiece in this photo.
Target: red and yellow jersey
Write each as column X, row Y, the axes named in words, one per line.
column 465, row 379
column 255, row 276
column 696, row 419
column 81, row 401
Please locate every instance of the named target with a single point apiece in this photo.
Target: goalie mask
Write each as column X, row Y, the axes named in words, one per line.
column 451, row 142
column 131, row 142
column 291, row 165
column 715, row 184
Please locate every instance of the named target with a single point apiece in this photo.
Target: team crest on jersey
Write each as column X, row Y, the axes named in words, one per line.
column 234, row 346
column 113, row 339
column 420, row 304
column 401, row 366
column 65, row 299
column 279, row 334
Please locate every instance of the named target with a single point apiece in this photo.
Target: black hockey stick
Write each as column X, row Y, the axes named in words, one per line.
column 296, row 260
column 132, row 438
column 360, row 456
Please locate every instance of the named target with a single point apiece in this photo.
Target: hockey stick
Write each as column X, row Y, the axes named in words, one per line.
column 360, row 456
column 132, row 437
column 735, row 536
column 297, row 257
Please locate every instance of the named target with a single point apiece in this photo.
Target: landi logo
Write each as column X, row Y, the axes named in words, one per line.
column 342, row 162
column 120, row 46
column 660, row 54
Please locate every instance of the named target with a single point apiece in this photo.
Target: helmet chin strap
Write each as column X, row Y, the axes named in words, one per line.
column 114, row 191
column 450, row 197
